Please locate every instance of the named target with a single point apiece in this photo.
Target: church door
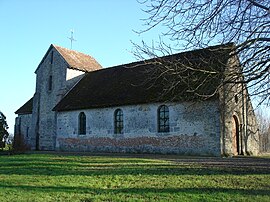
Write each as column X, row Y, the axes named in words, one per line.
column 235, row 136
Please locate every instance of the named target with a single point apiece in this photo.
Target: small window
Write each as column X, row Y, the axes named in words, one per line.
column 236, row 99
column 118, row 121
column 27, row 132
column 50, row 83
column 82, row 123
column 163, row 119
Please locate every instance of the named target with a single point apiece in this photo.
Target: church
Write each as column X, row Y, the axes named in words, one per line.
column 129, row 108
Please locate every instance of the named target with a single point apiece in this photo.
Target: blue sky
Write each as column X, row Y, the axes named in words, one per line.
column 102, row 28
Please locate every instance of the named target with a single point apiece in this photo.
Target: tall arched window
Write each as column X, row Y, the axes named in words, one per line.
column 82, row 123
column 163, row 119
column 118, row 121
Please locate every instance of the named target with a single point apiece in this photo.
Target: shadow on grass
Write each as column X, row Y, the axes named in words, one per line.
column 87, row 190
column 53, row 165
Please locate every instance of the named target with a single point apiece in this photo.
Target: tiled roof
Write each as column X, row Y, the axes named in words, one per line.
column 77, row 60
column 26, row 108
column 142, row 82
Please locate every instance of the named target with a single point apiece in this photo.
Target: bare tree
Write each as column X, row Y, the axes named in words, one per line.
column 202, row 23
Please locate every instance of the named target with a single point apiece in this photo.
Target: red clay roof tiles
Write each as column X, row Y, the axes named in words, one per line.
column 77, row 60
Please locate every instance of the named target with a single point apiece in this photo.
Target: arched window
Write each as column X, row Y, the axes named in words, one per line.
column 118, row 121
column 163, row 119
column 82, row 123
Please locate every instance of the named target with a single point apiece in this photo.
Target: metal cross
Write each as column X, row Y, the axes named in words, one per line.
column 71, row 38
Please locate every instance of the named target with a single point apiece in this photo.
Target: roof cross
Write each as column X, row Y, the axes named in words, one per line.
column 71, row 38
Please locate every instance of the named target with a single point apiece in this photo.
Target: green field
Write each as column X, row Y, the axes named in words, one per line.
column 52, row 177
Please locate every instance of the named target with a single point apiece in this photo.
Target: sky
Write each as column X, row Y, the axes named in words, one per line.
column 103, row 29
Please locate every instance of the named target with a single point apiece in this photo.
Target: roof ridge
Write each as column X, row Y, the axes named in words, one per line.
column 214, row 47
column 77, row 60
column 57, row 46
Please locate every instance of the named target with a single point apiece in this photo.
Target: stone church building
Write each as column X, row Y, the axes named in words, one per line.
column 80, row 106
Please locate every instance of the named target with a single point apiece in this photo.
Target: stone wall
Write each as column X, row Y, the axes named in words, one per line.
column 23, row 127
column 252, row 140
column 236, row 105
column 53, row 81
column 194, row 129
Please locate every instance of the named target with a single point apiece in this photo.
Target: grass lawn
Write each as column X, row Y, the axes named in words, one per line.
column 52, row 177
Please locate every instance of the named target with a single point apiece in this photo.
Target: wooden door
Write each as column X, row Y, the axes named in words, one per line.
column 235, row 135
